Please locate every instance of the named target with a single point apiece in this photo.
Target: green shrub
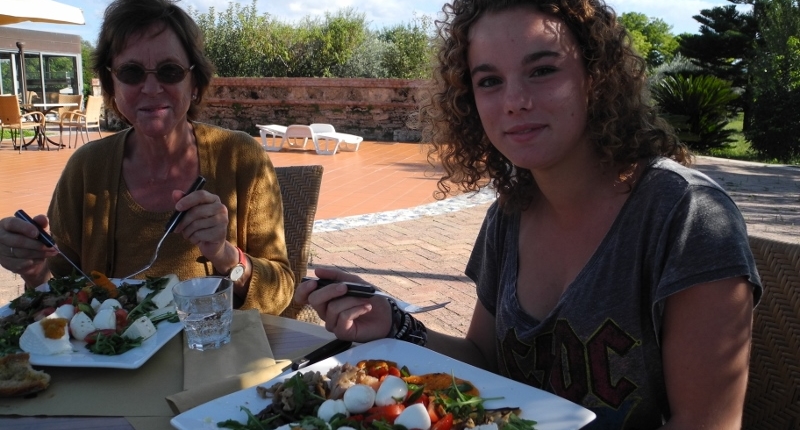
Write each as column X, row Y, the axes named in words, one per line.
column 697, row 106
column 774, row 124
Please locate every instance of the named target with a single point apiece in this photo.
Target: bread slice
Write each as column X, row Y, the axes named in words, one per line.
column 18, row 378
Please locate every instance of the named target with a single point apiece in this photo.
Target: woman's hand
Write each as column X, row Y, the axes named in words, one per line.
column 349, row 318
column 21, row 253
column 205, row 224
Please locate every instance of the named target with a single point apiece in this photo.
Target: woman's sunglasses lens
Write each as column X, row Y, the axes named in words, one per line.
column 170, row 73
column 130, row 74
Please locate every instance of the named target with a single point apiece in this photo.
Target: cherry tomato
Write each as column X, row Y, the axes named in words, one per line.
column 445, row 423
column 394, row 371
column 386, row 413
column 378, row 370
column 91, row 338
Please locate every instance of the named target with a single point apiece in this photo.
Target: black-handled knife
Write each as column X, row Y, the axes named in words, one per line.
column 328, row 350
column 354, row 289
column 48, row 240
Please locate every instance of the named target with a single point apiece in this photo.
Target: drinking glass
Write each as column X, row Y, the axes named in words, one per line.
column 205, row 307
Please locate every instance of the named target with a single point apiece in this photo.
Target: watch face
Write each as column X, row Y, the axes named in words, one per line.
column 236, row 272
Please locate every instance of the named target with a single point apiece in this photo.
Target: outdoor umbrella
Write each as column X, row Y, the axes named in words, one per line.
column 15, row 11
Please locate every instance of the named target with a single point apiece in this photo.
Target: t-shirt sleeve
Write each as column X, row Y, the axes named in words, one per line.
column 705, row 240
column 483, row 266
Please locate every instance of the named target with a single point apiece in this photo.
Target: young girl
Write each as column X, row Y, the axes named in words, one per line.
column 607, row 272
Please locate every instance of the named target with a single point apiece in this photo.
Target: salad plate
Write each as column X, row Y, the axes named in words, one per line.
column 81, row 357
column 548, row 410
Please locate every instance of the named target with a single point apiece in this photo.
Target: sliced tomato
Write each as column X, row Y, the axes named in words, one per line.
column 121, row 316
column 384, row 413
column 445, row 423
column 394, row 371
column 91, row 338
column 379, row 370
column 82, row 297
column 432, row 411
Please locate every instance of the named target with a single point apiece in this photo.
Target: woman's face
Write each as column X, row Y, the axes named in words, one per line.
column 530, row 86
column 154, row 108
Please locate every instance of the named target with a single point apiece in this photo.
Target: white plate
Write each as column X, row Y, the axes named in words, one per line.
column 548, row 410
column 81, row 357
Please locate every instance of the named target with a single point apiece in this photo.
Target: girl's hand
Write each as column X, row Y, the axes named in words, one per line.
column 349, row 318
column 205, row 224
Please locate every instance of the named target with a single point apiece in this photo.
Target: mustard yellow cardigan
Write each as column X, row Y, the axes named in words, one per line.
column 84, row 213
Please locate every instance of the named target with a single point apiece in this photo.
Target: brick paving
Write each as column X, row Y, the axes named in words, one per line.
column 422, row 260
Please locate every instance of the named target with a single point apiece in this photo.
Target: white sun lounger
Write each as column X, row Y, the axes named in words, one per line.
column 325, row 138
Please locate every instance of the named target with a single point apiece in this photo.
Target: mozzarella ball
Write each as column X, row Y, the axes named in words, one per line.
column 65, row 311
column 81, row 325
column 392, row 390
column 95, row 304
column 331, row 407
column 359, row 398
column 414, row 417
column 110, row 304
column 105, row 319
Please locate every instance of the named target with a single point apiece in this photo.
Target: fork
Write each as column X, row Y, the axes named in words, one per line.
column 366, row 291
column 176, row 217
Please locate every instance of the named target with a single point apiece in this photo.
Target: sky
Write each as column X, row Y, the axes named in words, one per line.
column 380, row 14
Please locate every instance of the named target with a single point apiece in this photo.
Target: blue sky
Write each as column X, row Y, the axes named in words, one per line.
column 382, row 13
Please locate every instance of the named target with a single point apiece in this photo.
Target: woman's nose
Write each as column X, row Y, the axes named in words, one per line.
column 517, row 97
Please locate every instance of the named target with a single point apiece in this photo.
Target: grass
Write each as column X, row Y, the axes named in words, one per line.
column 740, row 148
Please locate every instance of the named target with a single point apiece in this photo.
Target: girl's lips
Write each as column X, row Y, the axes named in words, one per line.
column 524, row 129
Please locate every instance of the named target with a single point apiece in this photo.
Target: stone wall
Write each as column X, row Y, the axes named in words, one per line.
column 377, row 109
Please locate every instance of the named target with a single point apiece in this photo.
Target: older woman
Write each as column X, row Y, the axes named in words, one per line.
column 607, row 272
column 115, row 196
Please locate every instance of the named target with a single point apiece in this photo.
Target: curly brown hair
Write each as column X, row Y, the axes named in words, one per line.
column 622, row 122
column 126, row 18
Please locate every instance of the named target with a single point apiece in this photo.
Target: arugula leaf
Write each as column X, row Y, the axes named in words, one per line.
column 113, row 344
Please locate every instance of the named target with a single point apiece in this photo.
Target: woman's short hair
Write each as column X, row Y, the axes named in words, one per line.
column 124, row 19
column 622, row 122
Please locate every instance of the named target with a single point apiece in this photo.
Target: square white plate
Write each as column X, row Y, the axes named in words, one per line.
column 548, row 410
column 81, row 357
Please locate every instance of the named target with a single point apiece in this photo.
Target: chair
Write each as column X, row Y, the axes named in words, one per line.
column 773, row 388
column 343, row 141
column 276, row 131
column 63, row 99
column 90, row 117
column 16, row 122
column 300, row 192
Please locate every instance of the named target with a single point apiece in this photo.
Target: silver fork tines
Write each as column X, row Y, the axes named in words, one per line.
column 415, row 309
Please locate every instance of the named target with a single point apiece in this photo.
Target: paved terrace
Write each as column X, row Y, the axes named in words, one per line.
column 378, row 217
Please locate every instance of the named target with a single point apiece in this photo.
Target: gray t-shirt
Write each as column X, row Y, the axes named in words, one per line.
column 600, row 346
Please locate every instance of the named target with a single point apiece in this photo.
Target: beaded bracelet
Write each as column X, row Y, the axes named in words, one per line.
column 407, row 328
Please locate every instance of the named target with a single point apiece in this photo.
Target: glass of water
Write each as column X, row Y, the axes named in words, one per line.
column 205, row 307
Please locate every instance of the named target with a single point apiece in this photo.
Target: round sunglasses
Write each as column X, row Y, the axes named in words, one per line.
column 134, row 74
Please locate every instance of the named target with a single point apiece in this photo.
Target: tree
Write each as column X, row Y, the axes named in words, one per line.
column 774, row 125
column 652, row 37
column 725, row 44
column 87, row 52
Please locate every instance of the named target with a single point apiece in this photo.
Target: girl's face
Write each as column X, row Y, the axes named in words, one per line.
column 530, row 86
column 154, row 108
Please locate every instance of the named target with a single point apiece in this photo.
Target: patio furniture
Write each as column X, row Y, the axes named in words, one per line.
column 275, row 131
column 300, row 194
column 343, row 141
column 773, row 388
column 325, row 138
column 82, row 121
column 12, row 118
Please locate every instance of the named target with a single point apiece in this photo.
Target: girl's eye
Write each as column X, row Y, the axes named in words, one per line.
column 543, row 71
column 487, row 82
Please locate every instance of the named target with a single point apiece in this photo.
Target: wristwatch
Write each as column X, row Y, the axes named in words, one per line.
column 237, row 271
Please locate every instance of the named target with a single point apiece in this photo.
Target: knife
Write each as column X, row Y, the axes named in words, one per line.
column 354, row 289
column 328, row 350
column 48, row 240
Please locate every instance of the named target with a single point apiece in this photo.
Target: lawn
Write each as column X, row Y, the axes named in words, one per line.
column 740, row 148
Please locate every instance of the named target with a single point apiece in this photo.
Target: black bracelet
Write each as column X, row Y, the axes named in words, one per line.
column 406, row 328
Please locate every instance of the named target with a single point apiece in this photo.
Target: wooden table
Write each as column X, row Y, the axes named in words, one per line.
column 288, row 339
